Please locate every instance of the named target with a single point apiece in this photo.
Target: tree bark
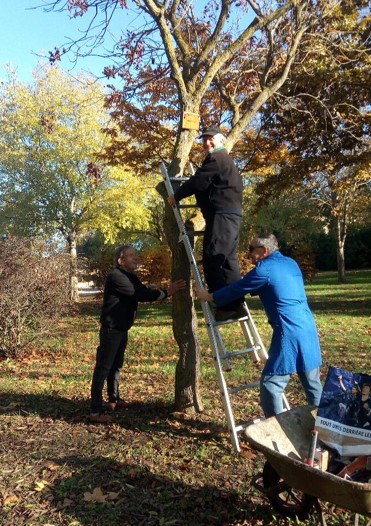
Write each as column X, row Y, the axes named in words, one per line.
column 340, row 230
column 187, row 395
column 73, row 268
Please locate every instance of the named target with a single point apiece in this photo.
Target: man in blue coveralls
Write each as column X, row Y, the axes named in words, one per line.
column 295, row 348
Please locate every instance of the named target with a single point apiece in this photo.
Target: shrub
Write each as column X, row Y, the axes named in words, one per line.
column 34, row 290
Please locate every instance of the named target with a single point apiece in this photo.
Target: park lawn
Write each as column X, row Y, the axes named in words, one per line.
column 152, row 466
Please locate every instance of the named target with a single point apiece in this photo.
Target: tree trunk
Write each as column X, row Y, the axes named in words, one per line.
column 73, row 269
column 340, row 229
column 185, row 326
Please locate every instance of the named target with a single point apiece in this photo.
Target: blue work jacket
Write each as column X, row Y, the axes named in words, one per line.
column 278, row 282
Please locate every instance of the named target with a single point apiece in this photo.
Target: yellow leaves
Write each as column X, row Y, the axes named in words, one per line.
column 123, row 203
column 41, row 485
column 97, row 496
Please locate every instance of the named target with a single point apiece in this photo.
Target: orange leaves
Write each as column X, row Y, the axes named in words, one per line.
column 247, row 452
column 10, row 500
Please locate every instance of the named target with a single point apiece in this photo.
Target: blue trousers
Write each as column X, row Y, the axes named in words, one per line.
column 273, row 386
column 109, row 360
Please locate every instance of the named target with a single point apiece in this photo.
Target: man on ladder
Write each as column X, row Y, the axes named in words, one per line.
column 217, row 187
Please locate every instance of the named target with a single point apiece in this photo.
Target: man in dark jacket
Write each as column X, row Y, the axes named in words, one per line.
column 217, row 187
column 122, row 291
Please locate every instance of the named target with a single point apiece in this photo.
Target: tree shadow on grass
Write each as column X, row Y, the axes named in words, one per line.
column 347, row 306
column 133, row 495
column 142, row 470
column 148, row 417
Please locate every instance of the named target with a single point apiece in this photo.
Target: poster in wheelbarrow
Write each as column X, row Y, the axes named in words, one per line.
column 343, row 418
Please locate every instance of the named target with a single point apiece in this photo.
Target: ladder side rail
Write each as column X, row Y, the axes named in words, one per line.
column 253, row 329
column 249, row 337
column 214, row 334
column 286, row 404
column 217, row 342
column 224, row 391
column 223, row 353
column 182, row 229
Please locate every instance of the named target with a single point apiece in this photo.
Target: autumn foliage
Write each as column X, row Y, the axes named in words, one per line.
column 155, row 267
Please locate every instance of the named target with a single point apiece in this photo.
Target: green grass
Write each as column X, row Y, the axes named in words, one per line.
column 152, row 467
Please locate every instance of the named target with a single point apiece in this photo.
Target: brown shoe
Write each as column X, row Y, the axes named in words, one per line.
column 101, row 418
column 114, row 406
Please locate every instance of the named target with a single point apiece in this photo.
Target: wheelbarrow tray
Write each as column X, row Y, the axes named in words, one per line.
column 284, row 439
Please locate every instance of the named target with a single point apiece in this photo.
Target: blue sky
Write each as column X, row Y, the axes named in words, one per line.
column 27, row 32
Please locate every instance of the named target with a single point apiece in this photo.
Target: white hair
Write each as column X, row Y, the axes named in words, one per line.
column 268, row 241
column 220, row 138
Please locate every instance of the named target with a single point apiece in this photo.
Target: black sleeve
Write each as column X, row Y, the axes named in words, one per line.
column 130, row 285
column 200, row 181
column 143, row 293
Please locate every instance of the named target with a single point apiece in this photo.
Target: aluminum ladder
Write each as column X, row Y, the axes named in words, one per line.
column 222, row 357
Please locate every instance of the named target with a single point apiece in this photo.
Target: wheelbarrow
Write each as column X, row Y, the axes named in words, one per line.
column 293, row 487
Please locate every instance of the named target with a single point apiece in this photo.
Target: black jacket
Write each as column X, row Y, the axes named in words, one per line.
column 217, row 185
column 122, row 291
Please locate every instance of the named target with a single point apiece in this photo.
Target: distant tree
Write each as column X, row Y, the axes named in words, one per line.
column 53, row 180
column 321, row 116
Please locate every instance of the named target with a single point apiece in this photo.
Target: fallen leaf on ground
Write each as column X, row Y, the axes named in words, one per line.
column 10, row 499
column 41, row 485
column 96, row 496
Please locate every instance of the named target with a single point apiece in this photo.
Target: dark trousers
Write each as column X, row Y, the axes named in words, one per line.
column 220, row 248
column 109, row 360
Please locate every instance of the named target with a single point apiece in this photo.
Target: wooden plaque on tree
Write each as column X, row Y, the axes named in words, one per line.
column 191, row 121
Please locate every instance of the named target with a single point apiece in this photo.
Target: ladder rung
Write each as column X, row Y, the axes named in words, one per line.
column 239, row 352
column 243, row 426
column 233, row 390
column 178, row 179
